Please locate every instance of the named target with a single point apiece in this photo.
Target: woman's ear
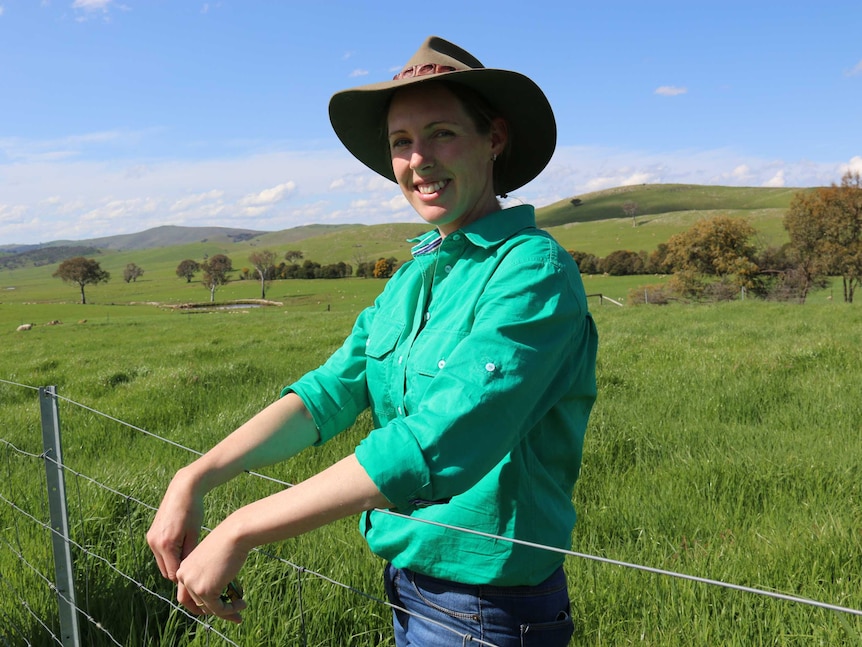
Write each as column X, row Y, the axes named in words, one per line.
column 499, row 135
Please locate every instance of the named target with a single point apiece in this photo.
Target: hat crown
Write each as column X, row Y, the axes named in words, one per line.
column 437, row 51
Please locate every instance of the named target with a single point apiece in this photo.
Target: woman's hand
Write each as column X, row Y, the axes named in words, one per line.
column 176, row 527
column 275, row 434
column 203, row 571
column 206, row 572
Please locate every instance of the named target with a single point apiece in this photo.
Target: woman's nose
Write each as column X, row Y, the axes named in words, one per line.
column 421, row 158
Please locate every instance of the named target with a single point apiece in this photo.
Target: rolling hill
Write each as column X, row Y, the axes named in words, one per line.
column 592, row 222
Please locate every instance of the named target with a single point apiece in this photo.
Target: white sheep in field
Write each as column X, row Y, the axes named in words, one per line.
column 24, row 327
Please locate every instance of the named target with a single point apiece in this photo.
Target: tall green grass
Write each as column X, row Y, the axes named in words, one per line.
column 724, row 444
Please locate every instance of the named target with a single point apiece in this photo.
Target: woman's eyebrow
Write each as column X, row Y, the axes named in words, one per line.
column 432, row 124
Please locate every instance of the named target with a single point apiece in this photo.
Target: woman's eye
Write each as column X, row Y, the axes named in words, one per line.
column 399, row 143
column 444, row 133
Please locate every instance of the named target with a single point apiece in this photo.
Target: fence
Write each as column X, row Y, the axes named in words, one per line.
column 74, row 561
column 603, row 298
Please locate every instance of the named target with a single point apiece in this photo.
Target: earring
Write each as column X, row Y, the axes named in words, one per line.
column 493, row 157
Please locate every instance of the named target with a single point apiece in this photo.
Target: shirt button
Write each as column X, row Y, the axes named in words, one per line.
column 441, row 363
column 448, row 269
column 490, row 367
column 401, row 359
column 399, row 411
column 456, row 236
column 427, row 316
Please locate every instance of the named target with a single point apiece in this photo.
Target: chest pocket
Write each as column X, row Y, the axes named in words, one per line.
column 381, row 365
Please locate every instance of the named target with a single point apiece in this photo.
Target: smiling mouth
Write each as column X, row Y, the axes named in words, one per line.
column 431, row 187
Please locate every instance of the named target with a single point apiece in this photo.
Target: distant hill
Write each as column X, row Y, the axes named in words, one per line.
column 653, row 199
column 171, row 235
column 39, row 256
column 598, row 224
column 594, row 222
column 164, row 236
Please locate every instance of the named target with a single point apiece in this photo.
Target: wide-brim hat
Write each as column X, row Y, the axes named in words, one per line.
column 358, row 115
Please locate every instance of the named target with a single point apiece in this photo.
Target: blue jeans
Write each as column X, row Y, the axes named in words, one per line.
column 448, row 613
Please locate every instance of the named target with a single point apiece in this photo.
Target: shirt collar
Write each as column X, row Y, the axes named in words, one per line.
column 486, row 232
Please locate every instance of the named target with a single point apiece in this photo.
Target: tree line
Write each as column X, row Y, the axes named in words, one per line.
column 265, row 268
column 714, row 259
column 717, row 258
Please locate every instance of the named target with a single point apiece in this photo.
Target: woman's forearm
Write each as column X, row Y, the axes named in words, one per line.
column 342, row 490
column 278, row 432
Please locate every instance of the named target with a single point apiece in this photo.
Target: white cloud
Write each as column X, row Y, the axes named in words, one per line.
column 191, row 200
column 670, row 90
column 854, row 166
column 624, row 177
column 358, row 72
column 91, row 5
column 11, row 214
column 69, row 146
column 91, row 9
column 741, row 172
column 855, row 70
column 575, row 170
column 1, row 9
column 268, row 197
column 776, row 180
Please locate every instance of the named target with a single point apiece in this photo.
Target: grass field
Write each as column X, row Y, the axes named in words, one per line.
column 724, row 444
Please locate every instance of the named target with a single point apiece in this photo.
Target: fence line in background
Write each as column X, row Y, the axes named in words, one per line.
column 603, row 298
column 61, row 540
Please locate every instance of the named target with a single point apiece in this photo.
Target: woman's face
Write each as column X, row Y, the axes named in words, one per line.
column 442, row 163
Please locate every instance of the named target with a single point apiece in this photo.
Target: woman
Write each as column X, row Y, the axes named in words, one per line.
column 477, row 362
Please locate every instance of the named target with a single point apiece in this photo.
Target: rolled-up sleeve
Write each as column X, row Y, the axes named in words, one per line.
column 335, row 393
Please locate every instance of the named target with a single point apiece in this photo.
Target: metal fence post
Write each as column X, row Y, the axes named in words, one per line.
column 63, row 575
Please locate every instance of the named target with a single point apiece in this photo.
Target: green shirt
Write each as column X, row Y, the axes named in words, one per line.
column 478, row 364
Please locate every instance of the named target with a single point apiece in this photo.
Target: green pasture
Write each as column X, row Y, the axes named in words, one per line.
column 724, row 444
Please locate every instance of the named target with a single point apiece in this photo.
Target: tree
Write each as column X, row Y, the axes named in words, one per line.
column 264, row 264
column 216, row 270
column 383, row 268
column 187, row 269
column 657, row 261
column 82, row 271
column 806, row 233
column 825, row 229
column 719, row 246
column 622, row 263
column 587, row 263
column 365, row 269
column 132, row 273
column 292, row 255
column 850, row 261
column 631, row 210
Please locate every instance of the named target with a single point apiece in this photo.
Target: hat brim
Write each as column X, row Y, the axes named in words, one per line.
column 359, row 119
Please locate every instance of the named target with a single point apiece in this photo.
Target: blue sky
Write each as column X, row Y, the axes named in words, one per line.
column 121, row 115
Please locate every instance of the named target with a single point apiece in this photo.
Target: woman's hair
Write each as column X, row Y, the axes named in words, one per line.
column 481, row 113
